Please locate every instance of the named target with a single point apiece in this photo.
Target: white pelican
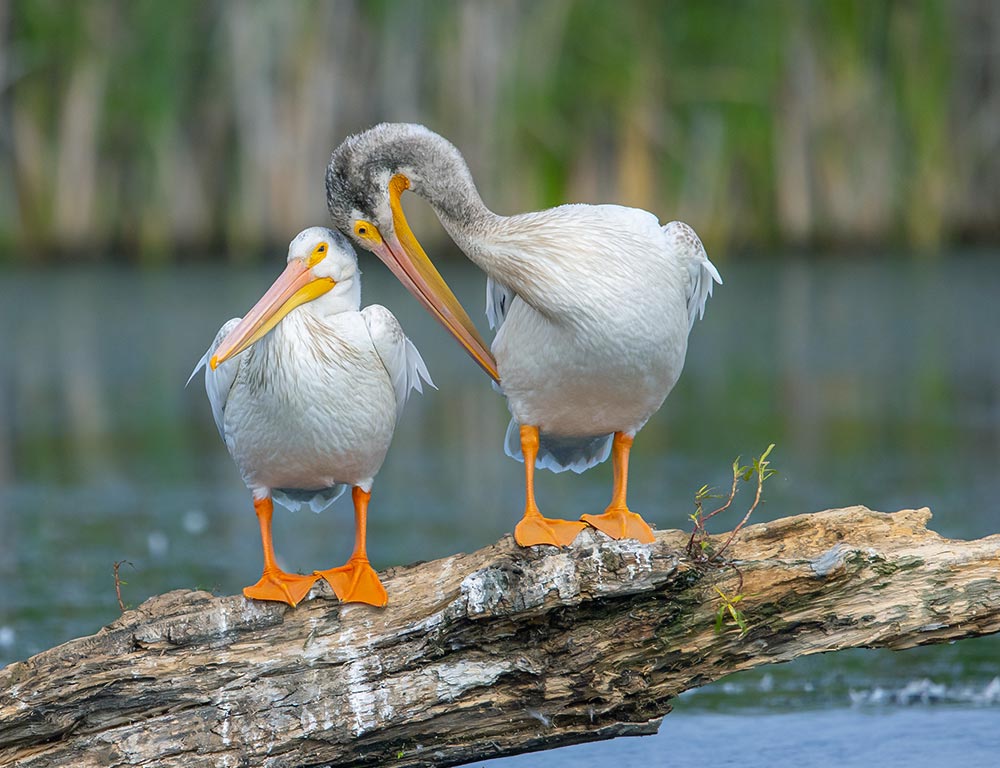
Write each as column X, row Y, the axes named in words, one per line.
column 592, row 304
column 306, row 391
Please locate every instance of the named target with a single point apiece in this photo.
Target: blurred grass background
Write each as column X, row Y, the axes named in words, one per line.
column 151, row 131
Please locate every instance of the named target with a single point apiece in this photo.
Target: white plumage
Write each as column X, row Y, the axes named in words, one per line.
column 592, row 306
column 309, row 409
column 591, row 336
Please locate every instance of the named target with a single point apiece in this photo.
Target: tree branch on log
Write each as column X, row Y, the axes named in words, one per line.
column 492, row 653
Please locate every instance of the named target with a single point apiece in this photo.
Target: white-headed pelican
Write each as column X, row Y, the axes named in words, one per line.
column 592, row 305
column 306, row 391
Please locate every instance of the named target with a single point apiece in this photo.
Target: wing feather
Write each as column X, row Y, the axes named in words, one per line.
column 702, row 274
column 219, row 382
column 400, row 357
column 498, row 301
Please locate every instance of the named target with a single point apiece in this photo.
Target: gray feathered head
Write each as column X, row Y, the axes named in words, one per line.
column 366, row 177
column 362, row 167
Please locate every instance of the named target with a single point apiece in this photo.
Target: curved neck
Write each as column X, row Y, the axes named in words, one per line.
column 440, row 175
column 472, row 232
column 450, row 190
column 446, row 183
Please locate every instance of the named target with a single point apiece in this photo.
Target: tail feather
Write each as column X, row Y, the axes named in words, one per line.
column 557, row 454
column 293, row 498
column 702, row 274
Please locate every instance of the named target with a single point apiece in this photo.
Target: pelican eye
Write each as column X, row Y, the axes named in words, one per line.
column 318, row 254
column 365, row 230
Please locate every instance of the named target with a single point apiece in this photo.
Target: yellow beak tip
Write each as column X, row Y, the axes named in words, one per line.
column 214, row 362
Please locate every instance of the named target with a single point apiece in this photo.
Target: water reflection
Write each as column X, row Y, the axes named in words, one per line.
column 880, row 383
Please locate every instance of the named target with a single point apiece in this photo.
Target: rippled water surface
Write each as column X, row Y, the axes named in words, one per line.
column 879, row 382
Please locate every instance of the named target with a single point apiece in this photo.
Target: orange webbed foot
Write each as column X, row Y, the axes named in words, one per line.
column 536, row 529
column 620, row 523
column 356, row 582
column 283, row 587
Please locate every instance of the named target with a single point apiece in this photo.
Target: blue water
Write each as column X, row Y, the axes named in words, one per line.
column 879, row 382
column 841, row 738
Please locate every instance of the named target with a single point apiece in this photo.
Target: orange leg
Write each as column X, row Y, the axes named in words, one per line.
column 617, row 521
column 356, row 581
column 275, row 584
column 533, row 528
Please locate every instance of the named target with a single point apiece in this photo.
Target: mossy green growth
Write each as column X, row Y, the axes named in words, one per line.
column 728, row 612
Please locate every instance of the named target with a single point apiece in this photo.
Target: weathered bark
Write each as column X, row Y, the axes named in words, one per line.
column 496, row 652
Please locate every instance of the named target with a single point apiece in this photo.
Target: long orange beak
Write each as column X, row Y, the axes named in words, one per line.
column 295, row 286
column 408, row 262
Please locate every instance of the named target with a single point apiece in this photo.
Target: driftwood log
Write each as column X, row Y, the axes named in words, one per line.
column 492, row 653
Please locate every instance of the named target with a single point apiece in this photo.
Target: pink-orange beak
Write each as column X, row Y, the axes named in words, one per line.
column 295, row 286
column 403, row 255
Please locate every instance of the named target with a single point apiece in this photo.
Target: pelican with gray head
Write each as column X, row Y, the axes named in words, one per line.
column 306, row 390
column 592, row 306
